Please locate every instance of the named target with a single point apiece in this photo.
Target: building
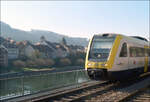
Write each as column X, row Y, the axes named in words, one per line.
column 51, row 50
column 44, row 50
column 13, row 50
column 59, row 50
column 75, row 48
column 25, row 49
column 3, row 56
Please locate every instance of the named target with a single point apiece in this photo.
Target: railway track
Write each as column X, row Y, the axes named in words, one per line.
column 126, row 92
column 142, row 95
column 80, row 93
column 84, row 94
column 112, row 92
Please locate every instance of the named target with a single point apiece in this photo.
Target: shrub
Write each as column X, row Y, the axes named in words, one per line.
column 81, row 55
column 75, row 56
column 19, row 63
column 36, row 55
column 49, row 62
column 80, row 61
column 65, row 61
column 40, row 62
column 31, row 63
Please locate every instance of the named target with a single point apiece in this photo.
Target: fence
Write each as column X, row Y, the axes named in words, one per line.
column 19, row 86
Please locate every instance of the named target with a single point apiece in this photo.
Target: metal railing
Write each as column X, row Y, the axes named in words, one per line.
column 19, row 86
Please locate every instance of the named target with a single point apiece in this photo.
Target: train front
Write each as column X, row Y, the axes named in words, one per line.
column 98, row 58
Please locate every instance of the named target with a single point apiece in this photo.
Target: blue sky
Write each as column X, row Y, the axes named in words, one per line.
column 79, row 18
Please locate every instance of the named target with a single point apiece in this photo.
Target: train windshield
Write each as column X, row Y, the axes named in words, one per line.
column 100, row 48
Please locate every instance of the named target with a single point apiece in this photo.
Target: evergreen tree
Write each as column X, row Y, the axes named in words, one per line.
column 42, row 38
column 64, row 41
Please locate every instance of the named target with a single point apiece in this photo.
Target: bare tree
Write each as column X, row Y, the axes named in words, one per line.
column 64, row 41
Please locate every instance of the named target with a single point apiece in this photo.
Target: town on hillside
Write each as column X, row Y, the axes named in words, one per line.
column 43, row 54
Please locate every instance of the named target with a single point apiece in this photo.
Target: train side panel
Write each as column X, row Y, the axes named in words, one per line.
column 126, row 65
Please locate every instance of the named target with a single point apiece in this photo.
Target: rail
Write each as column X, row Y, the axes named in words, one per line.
column 134, row 94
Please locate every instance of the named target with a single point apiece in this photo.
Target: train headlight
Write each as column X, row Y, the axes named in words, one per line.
column 89, row 64
column 106, row 64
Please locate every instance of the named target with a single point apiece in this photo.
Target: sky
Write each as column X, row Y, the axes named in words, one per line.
column 79, row 18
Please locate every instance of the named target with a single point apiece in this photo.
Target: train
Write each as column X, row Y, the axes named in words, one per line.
column 117, row 57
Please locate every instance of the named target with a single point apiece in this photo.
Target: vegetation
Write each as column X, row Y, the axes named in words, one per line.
column 31, row 63
column 40, row 64
column 65, row 62
column 49, row 62
column 64, row 41
column 80, row 61
column 36, row 61
column 77, row 58
column 20, row 35
column 36, row 55
column 19, row 63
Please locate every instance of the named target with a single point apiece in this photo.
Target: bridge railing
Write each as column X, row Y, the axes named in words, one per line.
column 19, row 86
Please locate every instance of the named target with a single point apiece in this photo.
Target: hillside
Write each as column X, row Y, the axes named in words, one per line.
column 34, row 35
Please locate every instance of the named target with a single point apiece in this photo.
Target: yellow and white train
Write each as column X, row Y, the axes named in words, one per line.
column 116, row 57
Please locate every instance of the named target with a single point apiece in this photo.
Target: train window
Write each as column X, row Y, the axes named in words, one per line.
column 123, row 52
column 137, row 52
column 133, row 52
column 100, row 48
column 146, row 52
column 143, row 52
column 140, row 52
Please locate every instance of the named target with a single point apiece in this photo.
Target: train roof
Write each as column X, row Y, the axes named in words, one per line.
column 114, row 34
column 136, row 39
column 106, row 34
column 141, row 38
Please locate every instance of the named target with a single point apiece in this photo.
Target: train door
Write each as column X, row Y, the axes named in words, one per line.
column 146, row 60
column 146, row 64
column 136, row 59
column 121, row 63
